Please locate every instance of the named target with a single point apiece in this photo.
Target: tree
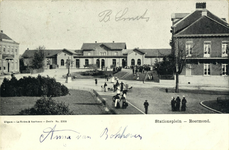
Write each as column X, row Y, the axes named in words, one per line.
column 38, row 58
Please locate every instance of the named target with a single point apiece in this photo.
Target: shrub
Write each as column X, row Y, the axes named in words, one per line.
column 47, row 106
column 31, row 86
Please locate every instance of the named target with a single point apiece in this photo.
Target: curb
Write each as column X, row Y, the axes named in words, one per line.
column 106, row 107
column 201, row 103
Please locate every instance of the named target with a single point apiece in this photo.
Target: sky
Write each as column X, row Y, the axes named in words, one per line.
column 68, row 24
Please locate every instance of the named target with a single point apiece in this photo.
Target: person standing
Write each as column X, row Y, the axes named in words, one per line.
column 96, row 81
column 146, row 105
column 183, row 104
column 173, row 104
column 122, row 86
column 178, row 103
column 105, row 87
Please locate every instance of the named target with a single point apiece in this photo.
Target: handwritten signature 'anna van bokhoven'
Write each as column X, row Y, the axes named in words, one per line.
column 122, row 15
column 51, row 133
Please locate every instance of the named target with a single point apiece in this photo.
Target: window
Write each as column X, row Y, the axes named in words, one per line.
column 62, row 62
column 12, row 50
column 224, row 69
column 86, row 62
column 188, row 47
column 207, row 49
column 102, row 53
column 15, row 50
column 225, row 49
column 206, row 69
column 139, row 62
column 132, row 62
column 114, row 62
column 4, row 49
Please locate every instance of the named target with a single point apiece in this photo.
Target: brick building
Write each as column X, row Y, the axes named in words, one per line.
column 116, row 54
column 9, row 55
column 53, row 57
column 201, row 39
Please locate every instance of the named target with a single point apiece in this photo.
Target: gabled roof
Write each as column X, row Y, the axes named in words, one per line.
column 5, row 37
column 111, row 46
column 189, row 19
column 47, row 53
column 149, row 52
column 205, row 25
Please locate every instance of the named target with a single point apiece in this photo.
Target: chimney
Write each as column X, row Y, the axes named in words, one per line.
column 95, row 41
column 113, row 41
column 1, row 31
column 200, row 6
column 27, row 48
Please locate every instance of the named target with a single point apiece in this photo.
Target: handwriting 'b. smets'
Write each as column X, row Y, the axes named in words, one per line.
column 121, row 134
column 122, row 15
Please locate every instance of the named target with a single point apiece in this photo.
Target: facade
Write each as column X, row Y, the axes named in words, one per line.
column 53, row 58
column 106, row 55
column 202, row 40
column 9, row 55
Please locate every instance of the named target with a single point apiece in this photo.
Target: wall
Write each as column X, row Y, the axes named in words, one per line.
column 198, row 45
column 64, row 56
column 12, row 49
column 135, row 56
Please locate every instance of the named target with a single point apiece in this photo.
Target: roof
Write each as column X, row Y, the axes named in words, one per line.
column 4, row 37
column 205, row 25
column 47, row 53
column 149, row 52
column 189, row 19
column 111, row 46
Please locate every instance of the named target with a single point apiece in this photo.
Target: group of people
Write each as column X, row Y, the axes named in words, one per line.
column 175, row 103
column 120, row 101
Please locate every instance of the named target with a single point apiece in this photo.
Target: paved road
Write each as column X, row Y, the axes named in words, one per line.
column 159, row 100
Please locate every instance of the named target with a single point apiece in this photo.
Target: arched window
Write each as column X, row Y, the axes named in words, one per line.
column 86, row 62
column 139, row 61
column 98, row 63
column 62, row 62
column 132, row 62
column 114, row 62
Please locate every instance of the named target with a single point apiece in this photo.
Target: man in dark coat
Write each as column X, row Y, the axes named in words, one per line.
column 122, row 86
column 146, row 105
column 183, row 104
column 178, row 103
column 173, row 104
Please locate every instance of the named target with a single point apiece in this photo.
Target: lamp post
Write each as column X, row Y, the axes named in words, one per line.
column 68, row 77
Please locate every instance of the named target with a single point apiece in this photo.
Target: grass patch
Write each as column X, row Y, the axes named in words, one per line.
column 217, row 106
column 89, row 104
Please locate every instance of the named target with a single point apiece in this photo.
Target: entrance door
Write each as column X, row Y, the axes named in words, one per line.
column 123, row 63
column 103, row 63
column 98, row 63
column 77, row 63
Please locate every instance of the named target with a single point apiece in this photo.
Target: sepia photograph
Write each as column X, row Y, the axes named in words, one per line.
column 93, row 62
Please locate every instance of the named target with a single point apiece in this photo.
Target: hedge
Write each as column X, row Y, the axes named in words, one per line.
column 31, row 86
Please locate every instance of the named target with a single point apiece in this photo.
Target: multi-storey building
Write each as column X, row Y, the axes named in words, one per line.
column 9, row 55
column 201, row 39
column 116, row 54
